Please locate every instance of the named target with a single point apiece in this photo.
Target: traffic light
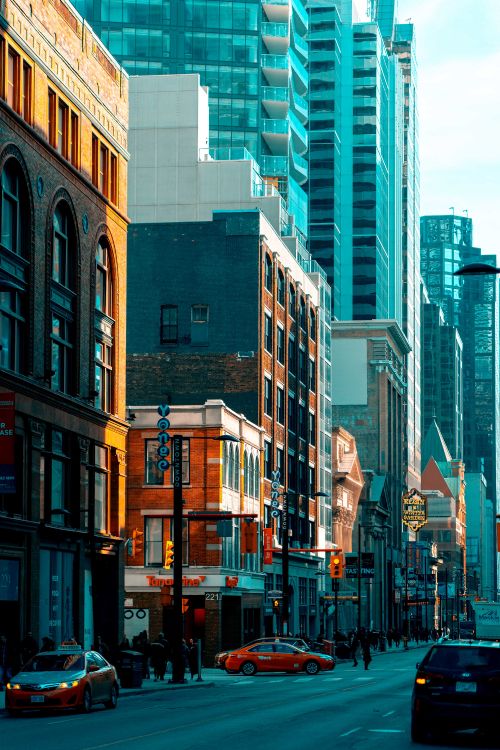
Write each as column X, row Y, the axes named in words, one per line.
column 137, row 542
column 249, row 537
column 185, row 606
column 336, row 566
column 163, row 438
column 169, row 554
column 276, row 606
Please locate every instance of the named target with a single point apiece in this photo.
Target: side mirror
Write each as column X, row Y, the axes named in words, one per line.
column 93, row 668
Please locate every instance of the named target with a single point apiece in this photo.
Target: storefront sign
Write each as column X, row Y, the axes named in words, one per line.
column 7, row 443
column 159, row 582
column 268, row 546
column 367, row 569
column 275, row 487
column 414, row 510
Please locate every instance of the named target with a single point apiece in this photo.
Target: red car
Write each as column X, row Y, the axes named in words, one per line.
column 276, row 657
column 65, row 678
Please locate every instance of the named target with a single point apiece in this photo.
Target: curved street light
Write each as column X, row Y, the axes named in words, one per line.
column 476, row 269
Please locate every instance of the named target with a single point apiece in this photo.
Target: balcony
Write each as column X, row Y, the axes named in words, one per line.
column 299, row 44
column 275, row 69
column 298, row 168
column 276, row 37
column 299, row 134
column 300, row 106
column 276, row 10
column 235, row 153
column 276, row 100
column 274, row 166
column 276, row 134
column 300, row 16
column 299, row 73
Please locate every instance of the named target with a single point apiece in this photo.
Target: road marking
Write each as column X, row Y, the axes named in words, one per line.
column 63, row 721
column 387, row 714
column 274, row 680
column 333, row 679
column 387, row 731
column 304, row 679
column 363, row 679
column 351, row 731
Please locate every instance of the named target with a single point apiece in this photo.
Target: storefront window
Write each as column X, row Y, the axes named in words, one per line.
column 153, row 541
column 57, row 601
column 101, row 489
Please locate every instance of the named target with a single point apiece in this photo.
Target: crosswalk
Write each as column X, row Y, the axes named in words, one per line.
column 299, row 678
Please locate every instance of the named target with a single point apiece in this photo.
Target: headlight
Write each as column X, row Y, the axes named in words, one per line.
column 421, row 681
column 74, row 683
column 13, row 686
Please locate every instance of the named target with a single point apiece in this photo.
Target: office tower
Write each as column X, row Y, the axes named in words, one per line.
column 471, row 304
column 253, row 57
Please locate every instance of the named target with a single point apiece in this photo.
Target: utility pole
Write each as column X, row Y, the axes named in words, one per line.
column 178, row 630
column 284, row 563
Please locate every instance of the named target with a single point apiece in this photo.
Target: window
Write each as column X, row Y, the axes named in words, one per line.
column 291, row 301
column 12, row 222
column 12, row 326
column 52, row 118
column 26, row 93
column 302, row 479
column 268, row 460
column 292, row 355
column 268, row 332
column 280, row 405
column 302, row 590
column 13, row 72
column 312, row 481
column 103, row 330
column 269, row 274
column 74, row 149
column 101, row 489
column 152, row 474
column 281, row 346
column 268, row 397
column 303, row 320
column 312, row 325
column 113, row 185
column 153, row 541
column 256, row 477
column 312, row 428
column 292, row 472
column 63, row 127
column 62, row 139
column 302, row 422
column 292, row 412
column 56, row 471
column 168, row 324
column 312, row 375
column 104, row 169
column 199, row 324
column 281, row 288
column 302, row 366
column 280, row 463
column 63, row 302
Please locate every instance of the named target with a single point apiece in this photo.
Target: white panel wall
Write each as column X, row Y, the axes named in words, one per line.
column 349, row 372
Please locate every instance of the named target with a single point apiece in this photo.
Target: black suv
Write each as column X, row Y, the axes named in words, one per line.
column 457, row 686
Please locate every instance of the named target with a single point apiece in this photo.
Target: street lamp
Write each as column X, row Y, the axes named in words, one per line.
column 284, row 555
column 177, row 633
column 476, row 269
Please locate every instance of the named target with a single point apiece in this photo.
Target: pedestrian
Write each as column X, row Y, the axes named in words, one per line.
column 365, row 651
column 390, row 636
column 27, row 648
column 5, row 662
column 103, row 648
column 185, row 654
column 158, row 658
column 354, row 646
column 397, row 637
column 193, row 657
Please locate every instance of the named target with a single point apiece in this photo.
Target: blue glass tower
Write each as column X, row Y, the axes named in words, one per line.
column 252, row 54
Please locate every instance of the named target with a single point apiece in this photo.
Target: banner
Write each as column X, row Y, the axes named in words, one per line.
column 414, row 510
column 268, row 546
column 7, row 443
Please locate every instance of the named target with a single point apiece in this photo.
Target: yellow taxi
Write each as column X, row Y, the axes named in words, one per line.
column 276, row 656
column 68, row 677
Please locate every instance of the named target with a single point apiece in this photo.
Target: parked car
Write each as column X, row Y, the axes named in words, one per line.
column 457, row 686
column 220, row 658
column 64, row 678
column 276, row 656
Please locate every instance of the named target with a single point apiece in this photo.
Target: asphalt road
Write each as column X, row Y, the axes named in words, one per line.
column 348, row 709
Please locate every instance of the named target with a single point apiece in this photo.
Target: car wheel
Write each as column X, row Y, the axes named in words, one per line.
column 311, row 667
column 248, row 668
column 419, row 730
column 86, row 706
column 113, row 698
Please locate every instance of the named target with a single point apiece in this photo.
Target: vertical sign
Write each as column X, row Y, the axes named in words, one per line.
column 275, row 487
column 268, row 546
column 7, row 443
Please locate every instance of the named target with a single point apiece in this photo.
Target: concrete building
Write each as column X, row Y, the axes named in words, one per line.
column 253, row 57
column 368, row 390
column 220, row 239
column 63, row 167
column 224, row 588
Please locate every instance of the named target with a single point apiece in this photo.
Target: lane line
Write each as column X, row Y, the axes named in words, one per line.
column 387, row 731
column 387, row 714
column 351, row 731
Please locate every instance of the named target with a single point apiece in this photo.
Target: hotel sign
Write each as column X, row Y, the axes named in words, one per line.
column 414, row 510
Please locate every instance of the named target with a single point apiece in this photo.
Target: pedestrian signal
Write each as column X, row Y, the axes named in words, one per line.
column 336, row 566
column 185, row 606
column 169, row 554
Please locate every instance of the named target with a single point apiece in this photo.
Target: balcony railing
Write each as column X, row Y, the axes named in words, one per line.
column 280, row 127
column 235, row 153
column 301, row 12
column 274, row 165
column 278, row 62
column 275, row 29
column 275, row 93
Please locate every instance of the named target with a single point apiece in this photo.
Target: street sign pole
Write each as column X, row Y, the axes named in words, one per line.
column 177, row 631
column 284, row 562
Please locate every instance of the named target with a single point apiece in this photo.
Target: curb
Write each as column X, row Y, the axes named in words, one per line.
column 147, row 690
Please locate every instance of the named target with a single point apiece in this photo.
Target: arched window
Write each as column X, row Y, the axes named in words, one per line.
column 236, row 484
column 230, row 477
column 312, row 324
column 104, row 328
column 256, row 482
column 303, row 320
column 269, row 273
column 245, row 473
column 226, row 466
column 14, row 230
column 63, row 301
column 291, row 301
column 251, row 489
column 281, row 288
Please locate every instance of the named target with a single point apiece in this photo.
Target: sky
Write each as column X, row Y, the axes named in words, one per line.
column 458, row 53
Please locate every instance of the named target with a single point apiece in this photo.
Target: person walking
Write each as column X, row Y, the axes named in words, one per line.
column 365, row 651
column 193, row 657
column 354, row 645
column 158, row 658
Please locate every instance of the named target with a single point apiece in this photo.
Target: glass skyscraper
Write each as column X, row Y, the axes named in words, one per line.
column 252, row 54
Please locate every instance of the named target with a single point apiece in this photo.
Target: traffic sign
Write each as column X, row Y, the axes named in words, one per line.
column 274, row 593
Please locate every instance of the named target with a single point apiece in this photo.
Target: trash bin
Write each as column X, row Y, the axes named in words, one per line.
column 131, row 669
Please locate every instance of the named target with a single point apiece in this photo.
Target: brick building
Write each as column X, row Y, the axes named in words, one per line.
column 223, row 588
column 63, row 170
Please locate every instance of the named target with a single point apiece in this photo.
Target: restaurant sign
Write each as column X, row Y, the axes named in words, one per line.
column 414, row 510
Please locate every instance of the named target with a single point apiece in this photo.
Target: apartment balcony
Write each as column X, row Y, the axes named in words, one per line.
column 299, row 134
column 276, row 134
column 299, row 73
column 299, row 105
column 300, row 16
column 299, row 167
column 276, row 100
column 275, row 69
column 276, row 10
column 276, row 37
column 299, row 44
column 274, row 166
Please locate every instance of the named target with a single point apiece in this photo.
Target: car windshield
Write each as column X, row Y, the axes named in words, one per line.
column 457, row 657
column 55, row 663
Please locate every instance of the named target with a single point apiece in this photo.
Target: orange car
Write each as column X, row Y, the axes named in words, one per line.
column 65, row 678
column 276, row 657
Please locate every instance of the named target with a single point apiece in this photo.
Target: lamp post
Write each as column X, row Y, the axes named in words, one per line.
column 284, row 556
column 177, row 631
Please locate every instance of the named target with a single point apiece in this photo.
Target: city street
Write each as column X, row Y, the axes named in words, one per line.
column 348, row 709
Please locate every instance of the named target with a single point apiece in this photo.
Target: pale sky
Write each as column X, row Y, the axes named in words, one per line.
column 458, row 50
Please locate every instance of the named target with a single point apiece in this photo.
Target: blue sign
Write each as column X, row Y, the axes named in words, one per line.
column 9, row 580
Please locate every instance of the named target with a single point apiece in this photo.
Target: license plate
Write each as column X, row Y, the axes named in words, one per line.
column 466, row 687
column 37, row 698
